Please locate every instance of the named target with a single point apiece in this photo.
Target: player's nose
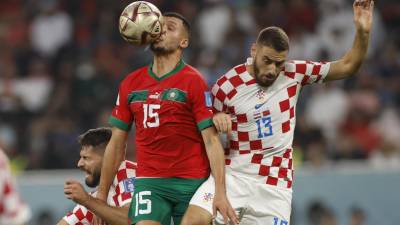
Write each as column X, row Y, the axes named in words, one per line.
column 80, row 163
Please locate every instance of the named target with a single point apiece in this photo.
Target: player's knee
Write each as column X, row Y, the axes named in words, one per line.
column 196, row 216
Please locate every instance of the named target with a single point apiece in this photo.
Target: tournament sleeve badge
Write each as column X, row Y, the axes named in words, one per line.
column 208, row 98
column 129, row 184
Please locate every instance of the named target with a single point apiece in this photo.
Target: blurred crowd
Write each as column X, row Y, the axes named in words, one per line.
column 61, row 62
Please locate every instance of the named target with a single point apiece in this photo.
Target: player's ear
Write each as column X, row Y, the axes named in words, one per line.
column 184, row 43
column 253, row 50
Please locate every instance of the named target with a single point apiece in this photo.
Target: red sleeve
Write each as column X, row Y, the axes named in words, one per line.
column 201, row 102
column 121, row 115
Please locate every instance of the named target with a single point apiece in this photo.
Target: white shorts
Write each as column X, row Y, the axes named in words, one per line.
column 255, row 203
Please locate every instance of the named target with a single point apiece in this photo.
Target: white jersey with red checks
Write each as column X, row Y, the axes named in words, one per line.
column 263, row 119
column 120, row 194
column 12, row 209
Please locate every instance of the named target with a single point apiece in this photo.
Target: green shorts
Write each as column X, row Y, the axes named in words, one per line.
column 160, row 199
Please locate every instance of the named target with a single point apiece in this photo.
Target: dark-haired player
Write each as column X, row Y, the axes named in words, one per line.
column 260, row 97
column 115, row 211
column 176, row 142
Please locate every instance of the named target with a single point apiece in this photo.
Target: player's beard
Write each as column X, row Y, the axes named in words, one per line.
column 95, row 179
column 259, row 77
column 162, row 49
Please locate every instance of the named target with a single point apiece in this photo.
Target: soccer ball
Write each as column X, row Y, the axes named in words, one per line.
column 140, row 23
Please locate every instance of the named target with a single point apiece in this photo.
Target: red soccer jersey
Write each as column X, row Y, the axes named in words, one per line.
column 169, row 113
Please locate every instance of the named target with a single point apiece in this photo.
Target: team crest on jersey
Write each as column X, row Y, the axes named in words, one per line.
column 260, row 96
column 207, row 96
column 129, row 184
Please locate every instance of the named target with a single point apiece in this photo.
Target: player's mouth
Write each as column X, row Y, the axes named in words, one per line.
column 88, row 174
column 268, row 77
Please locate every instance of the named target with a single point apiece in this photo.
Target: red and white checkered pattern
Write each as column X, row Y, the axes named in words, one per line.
column 117, row 196
column 12, row 209
column 263, row 149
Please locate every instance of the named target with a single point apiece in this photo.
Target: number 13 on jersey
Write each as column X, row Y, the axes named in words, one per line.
column 264, row 127
column 150, row 112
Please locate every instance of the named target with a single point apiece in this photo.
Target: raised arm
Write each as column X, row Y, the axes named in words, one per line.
column 351, row 61
column 113, row 156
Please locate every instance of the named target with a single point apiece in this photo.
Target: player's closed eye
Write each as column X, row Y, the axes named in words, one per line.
column 171, row 28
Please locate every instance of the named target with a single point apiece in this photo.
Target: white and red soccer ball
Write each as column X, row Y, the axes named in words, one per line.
column 140, row 23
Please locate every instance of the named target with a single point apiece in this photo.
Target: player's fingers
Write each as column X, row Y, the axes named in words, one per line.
column 67, row 190
column 232, row 216
column 216, row 124
column 371, row 6
column 225, row 216
column 214, row 212
column 224, row 126
column 229, row 127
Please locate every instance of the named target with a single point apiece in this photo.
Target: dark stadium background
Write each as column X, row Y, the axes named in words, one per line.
column 61, row 62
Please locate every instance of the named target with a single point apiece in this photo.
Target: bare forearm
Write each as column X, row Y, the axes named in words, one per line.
column 355, row 56
column 352, row 60
column 112, row 215
column 216, row 157
column 113, row 156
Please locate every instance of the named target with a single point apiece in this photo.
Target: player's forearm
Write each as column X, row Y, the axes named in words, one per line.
column 216, row 157
column 113, row 156
column 62, row 222
column 111, row 215
column 352, row 60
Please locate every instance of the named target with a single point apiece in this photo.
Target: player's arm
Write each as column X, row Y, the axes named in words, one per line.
column 216, row 157
column 113, row 156
column 111, row 215
column 351, row 61
column 62, row 222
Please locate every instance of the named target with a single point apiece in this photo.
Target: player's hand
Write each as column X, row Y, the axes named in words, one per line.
column 222, row 205
column 74, row 190
column 223, row 122
column 363, row 10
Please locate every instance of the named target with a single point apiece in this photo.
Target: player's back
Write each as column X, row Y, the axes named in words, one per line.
column 263, row 120
column 168, row 113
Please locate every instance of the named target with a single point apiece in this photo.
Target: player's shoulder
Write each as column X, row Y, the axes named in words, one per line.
column 192, row 73
column 134, row 75
column 235, row 77
column 126, row 164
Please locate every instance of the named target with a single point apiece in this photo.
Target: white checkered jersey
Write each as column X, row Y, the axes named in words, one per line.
column 263, row 119
column 120, row 194
column 12, row 209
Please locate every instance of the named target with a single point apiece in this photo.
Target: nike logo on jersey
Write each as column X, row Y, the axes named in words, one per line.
column 259, row 105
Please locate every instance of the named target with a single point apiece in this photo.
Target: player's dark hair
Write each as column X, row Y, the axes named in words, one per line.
column 274, row 37
column 185, row 22
column 98, row 137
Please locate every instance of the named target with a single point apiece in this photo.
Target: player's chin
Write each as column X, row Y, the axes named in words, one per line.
column 89, row 181
column 265, row 81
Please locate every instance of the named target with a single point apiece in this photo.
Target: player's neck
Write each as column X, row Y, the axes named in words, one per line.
column 250, row 69
column 163, row 64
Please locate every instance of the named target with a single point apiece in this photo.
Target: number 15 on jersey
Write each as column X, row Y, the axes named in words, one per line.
column 150, row 112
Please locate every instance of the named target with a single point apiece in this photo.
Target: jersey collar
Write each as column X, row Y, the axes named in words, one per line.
column 178, row 67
